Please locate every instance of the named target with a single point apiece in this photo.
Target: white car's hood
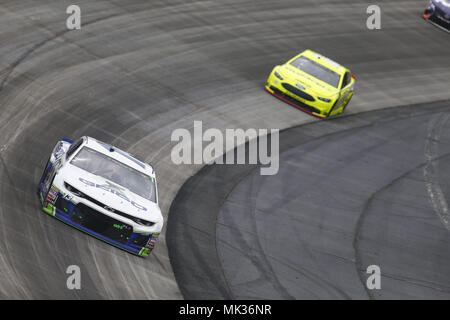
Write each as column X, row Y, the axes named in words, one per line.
column 111, row 194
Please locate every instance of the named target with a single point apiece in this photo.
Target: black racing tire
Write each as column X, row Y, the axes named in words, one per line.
column 348, row 102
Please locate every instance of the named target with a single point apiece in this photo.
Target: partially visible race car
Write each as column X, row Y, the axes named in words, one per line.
column 104, row 192
column 438, row 13
column 312, row 83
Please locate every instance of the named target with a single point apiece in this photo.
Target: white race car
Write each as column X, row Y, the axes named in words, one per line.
column 104, row 192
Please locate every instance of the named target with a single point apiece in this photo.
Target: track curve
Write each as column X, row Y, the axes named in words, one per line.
column 351, row 192
column 138, row 70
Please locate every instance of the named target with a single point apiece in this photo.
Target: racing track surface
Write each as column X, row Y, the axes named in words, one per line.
column 368, row 189
column 139, row 69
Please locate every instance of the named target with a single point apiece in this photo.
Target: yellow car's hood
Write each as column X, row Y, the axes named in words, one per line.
column 296, row 77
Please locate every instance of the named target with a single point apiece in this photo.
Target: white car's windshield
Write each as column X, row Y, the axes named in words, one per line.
column 101, row 165
column 317, row 70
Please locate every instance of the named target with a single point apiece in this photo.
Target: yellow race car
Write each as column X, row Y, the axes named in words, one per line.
column 312, row 83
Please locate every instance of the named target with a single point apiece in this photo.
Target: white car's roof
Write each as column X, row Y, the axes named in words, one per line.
column 119, row 155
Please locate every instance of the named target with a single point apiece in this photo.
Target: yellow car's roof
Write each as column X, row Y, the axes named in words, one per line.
column 322, row 60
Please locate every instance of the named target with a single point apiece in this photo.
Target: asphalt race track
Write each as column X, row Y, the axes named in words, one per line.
column 371, row 189
column 139, row 69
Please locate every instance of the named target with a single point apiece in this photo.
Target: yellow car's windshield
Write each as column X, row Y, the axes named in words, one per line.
column 317, row 70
